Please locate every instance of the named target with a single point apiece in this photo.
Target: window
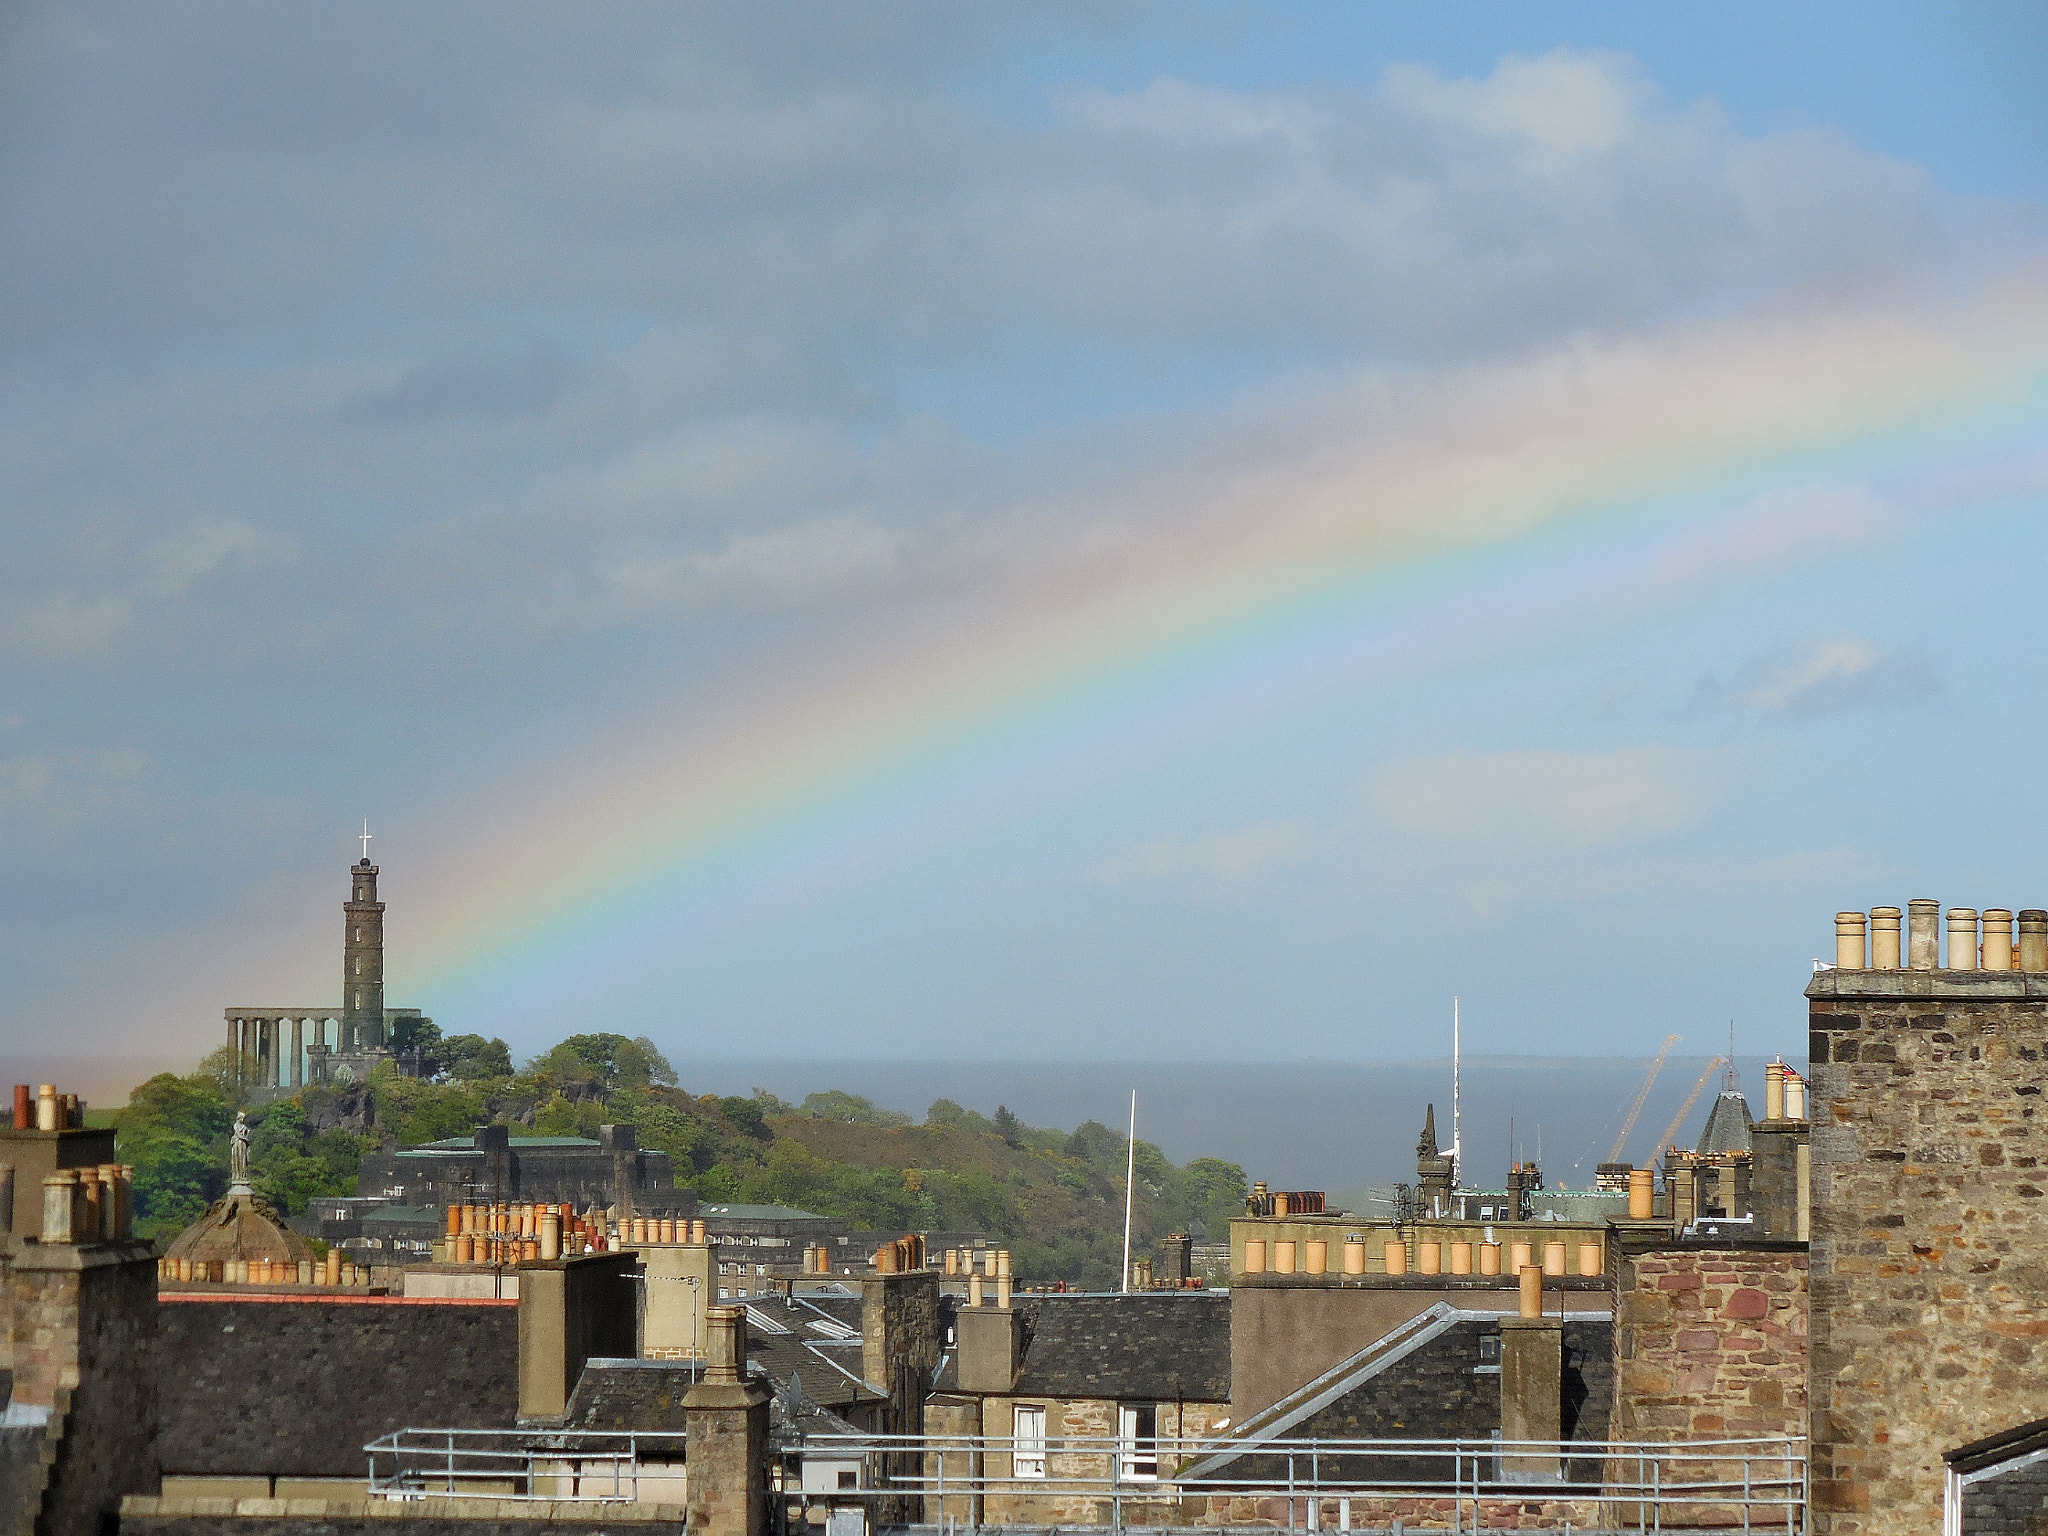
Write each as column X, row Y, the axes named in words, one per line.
column 1138, row 1438
column 849, row 1480
column 1028, row 1443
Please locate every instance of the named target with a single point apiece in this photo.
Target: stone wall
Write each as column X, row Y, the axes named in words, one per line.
column 1710, row 1343
column 84, row 1322
column 1930, row 1231
column 1089, row 1419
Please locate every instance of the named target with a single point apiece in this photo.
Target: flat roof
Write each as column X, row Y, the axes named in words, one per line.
column 466, row 1144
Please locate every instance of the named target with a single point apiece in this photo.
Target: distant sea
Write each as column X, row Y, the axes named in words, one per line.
column 1329, row 1125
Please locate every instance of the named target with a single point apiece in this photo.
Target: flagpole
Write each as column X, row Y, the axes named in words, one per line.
column 1130, row 1179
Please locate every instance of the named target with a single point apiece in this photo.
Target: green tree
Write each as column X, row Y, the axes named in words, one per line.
column 174, row 1132
column 473, row 1059
column 611, row 1061
column 851, row 1108
column 747, row 1117
column 1008, row 1127
column 424, row 1036
column 946, row 1113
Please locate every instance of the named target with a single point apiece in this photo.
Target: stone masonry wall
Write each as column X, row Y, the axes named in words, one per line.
column 1710, row 1343
column 85, row 1348
column 1930, row 1231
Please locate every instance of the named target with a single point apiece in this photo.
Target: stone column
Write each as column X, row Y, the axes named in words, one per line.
column 726, row 1418
column 298, row 1053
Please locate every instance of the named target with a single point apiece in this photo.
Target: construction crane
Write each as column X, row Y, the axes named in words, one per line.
column 1642, row 1097
column 1691, row 1099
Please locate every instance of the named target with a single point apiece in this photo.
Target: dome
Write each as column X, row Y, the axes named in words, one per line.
column 239, row 1226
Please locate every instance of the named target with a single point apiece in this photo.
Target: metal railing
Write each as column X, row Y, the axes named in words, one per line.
column 967, row 1482
column 601, row 1466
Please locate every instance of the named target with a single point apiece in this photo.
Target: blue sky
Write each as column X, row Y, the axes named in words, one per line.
column 417, row 415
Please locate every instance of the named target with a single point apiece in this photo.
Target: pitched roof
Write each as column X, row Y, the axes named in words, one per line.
column 1159, row 1346
column 1728, row 1124
column 760, row 1213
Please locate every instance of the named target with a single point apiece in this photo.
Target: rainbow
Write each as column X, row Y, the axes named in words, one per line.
column 1380, row 525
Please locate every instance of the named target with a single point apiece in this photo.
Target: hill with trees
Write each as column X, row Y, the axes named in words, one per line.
column 1054, row 1197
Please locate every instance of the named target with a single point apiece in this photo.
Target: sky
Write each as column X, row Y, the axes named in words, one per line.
column 1055, row 533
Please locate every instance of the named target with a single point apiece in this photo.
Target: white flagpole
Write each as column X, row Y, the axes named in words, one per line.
column 1130, row 1179
column 1457, row 1141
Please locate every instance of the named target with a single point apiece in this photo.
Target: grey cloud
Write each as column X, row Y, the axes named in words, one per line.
column 526, row 383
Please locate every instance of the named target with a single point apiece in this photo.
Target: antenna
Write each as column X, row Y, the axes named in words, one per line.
column 1130, row 1181
column 1457, row 1146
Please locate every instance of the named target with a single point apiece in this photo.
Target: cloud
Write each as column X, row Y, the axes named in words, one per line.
column 798, row 564
column 1537, row 799
column 486, row 388
column 203, row 546
column 65, row 626
column 1230, row 857
column 1832, row 677
column 59, row 791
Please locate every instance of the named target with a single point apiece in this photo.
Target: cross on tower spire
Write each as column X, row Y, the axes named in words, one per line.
column 366, row 841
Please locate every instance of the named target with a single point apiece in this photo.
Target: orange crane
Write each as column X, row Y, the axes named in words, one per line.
column 1642, row 1096
column 1691, row 1099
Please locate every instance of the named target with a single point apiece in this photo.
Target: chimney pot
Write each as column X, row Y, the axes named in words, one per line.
column 1923, row 925
column 1849, row 941
column 1532, row 1290
column 1884, row 938
column 1962, row 938
column 2034, row 940
column 1998, row 954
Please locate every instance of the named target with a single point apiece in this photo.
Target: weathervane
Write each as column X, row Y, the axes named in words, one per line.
column 366, row 841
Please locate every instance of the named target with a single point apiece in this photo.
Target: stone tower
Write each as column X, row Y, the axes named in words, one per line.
column 362, row 963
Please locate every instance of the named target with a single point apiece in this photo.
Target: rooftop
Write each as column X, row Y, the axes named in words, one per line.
column 1162, row 1345
column 758, row 1212
column 517, row 1143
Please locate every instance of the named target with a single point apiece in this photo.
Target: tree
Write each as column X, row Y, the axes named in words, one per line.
column 748, row 1116
column 473, row 1059
column 1009, row 1127
column 851, row 1108
column 423, row 1036
column 945, row 1112
column 174, row 1131
column 612, row 1061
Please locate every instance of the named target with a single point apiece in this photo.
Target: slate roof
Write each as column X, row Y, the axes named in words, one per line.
column 760, row 1213
column 631, row 1394
column 1146, row 1346
column 297, row 1388
column 1728, row 1124
column 828, row 1367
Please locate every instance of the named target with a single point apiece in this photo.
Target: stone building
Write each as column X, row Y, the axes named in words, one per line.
column 1149, row 1370
column 279, row 1049
column 493, row 1166
column 1930, row 1206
